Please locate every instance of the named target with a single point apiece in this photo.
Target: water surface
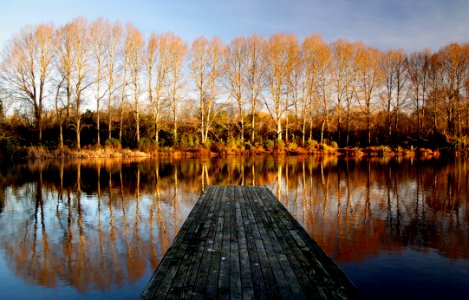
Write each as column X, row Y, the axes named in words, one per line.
column 94, row 229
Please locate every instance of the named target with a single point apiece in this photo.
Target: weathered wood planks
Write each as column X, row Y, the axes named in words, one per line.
column 241, row 243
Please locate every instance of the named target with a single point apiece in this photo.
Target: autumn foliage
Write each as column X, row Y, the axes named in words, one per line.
column 91, row 83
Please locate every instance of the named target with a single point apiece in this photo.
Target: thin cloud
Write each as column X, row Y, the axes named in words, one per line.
column 411, row 25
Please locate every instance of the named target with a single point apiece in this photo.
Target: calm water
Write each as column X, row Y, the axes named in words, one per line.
column 95, row 229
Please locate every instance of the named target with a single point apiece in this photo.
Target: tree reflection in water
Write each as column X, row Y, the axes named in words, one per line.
column 100, row 225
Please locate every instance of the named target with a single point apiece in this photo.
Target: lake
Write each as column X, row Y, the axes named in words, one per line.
column 93, row 229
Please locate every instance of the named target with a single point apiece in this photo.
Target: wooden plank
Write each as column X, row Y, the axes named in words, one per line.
column 295, row 258
column 284, row 255
column 271, row 288
column 214, row 267
column 264, row 226
column 235, row 269
column 328, row 279
column 242, row 243
column 223, row 288
column 259, row 288
column 163, row 270
column 172, row 283
column 200, row 282
column 244, row 265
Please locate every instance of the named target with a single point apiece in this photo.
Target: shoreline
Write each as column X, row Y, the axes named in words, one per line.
column 109, row 152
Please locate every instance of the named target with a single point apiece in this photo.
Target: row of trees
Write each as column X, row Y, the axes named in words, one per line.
column 342, row 90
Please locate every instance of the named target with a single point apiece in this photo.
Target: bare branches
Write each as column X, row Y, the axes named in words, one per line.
column 309, row 86
column 27, row 67
column 206, row 67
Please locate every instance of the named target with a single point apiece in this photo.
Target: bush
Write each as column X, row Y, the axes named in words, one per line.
column 187, row 141
column 459, row 143
column 279, row 145
column 7, row 149
column 334, row 145
column 292, row 146
column 312, row 145
column 145, row 144
column 207, row 144
column 113, row 143
column 269, row 145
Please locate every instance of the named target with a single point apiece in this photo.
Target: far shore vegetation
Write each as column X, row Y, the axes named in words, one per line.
column 102, row 89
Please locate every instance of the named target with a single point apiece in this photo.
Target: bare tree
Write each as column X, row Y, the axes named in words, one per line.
column 417, row 71
column 344, row 58
column 100, row 31
column 235, row 61
column 455, row 65
column 152, row 46
column 112, row 48
column 254, row 74
column 436, row 93
column 26, row 69
column 80, row 70
column 369, row 80
column 126, row 50
column 177, row 53
column 293, row 77
column 161, row 57
column 392, row 68
column 206, row 58
column 136, row 44
column 64, row 66
column 277, row 76
column 317, row 59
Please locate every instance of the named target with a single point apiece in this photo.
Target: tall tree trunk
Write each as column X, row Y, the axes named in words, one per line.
column 253, row 116
column 279, row 130
column 175, row 128
column 78, row 131
column 109, row 125
column 323, row 125
column 286, row 119
column 98, row 140
column 241, row 116
column 61, row 135
column 369, row 128
column 121, row 120
column 348, row 123
column 418, row 119
column 339, row 122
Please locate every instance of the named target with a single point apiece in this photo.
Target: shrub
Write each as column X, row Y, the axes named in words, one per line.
column 187, row 141
column 280, row 145
column 459, row 143
column 292, row 146
column 231, row 144
column 113, row 143
column 312, row 145
column 7, row 148
column 147, row 145
column 207, row 144
column 269, row 145
column 39, row 152
column 334, row 144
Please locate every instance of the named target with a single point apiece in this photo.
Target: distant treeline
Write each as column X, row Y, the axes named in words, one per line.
column 103, row 83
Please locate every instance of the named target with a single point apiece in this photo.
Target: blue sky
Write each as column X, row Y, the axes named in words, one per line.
column 408, row 24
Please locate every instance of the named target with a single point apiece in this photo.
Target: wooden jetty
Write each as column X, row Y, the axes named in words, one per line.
column 241, row 243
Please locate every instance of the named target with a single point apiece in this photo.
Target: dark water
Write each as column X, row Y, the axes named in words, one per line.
column 97, row 229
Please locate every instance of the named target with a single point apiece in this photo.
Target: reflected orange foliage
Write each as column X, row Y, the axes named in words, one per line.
column 99, row 224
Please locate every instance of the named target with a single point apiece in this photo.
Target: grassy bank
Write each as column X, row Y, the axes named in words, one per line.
column 321, row 150
column 11, row 152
